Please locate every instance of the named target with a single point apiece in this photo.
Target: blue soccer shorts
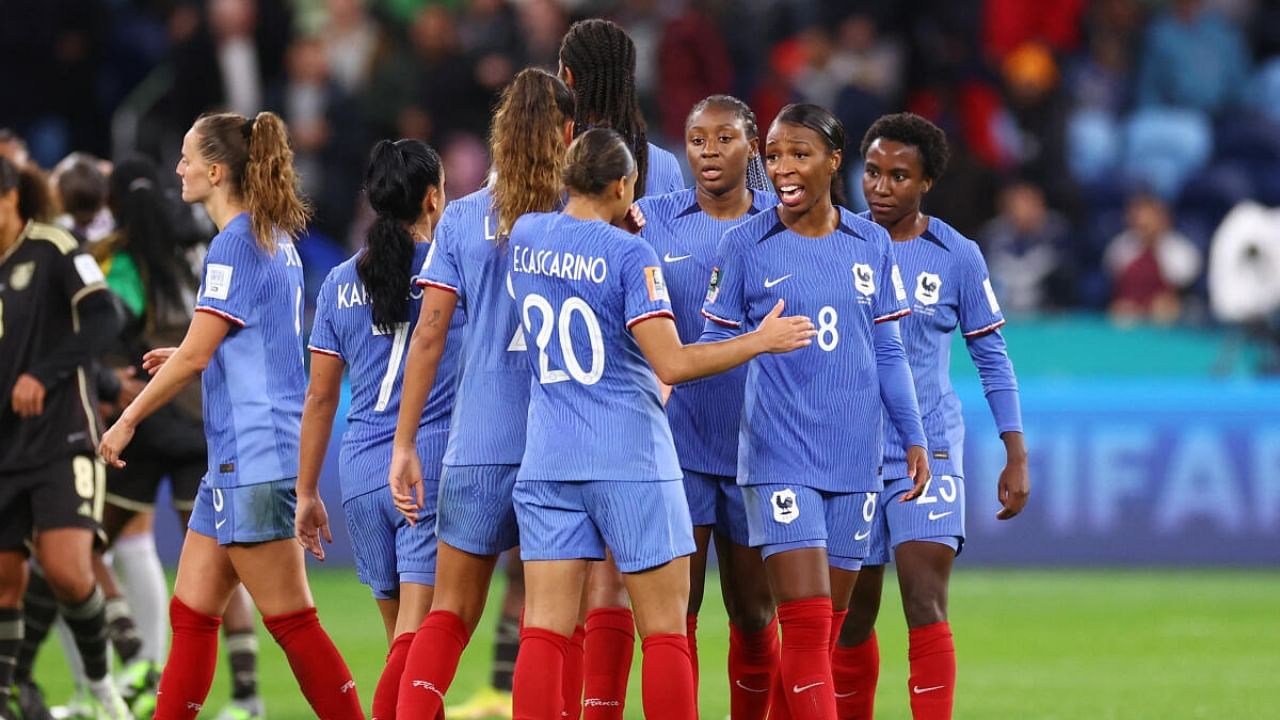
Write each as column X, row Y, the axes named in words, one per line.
column 246, row 513
column 936, row 516
column 475, row 513
column 790, row 517
column 716, row 500
column 388, row 550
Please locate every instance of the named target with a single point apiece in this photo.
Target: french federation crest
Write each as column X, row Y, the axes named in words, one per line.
column 928, row 288
column 20, row 278
column 864, row 278
column 785, row 509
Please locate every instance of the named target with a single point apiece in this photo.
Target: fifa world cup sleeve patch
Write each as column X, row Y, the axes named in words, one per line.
column 657, row 286
column 713, row 290
column 217, row 281
column 88, row 269
column 991, row 296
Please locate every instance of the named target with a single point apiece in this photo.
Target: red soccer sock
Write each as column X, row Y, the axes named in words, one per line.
column 806, row 658
column 753, row 667
column 667, row 678
column 193, row 657
column 431, row 665
column 539, row 678
column 691, row 633
column 932, row 684
column 316, row 663
column 572, row 680
column 384, row 696
column 837, row 624
column 609, row 644
column 856, row 670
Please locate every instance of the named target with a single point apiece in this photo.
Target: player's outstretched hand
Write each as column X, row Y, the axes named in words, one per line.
column 406, row 483
column 28, row 396
column 918, row 470
column 1014, row 490
column 152, row 361
column 784, row 334
column 310, row 523
column 114, row 441
column 633, row 221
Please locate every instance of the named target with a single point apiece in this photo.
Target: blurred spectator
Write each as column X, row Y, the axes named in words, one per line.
column 1100, row 77
column 1244, row 265
column 490, row 33
column 542, row 24
column 1037, row 135
column 1008, row 24
column 1150, row 264
column 693, row 63
column 79, row 183
column 1028, row 250
column 870, row 62
column 13, row 149
column 353, row 43
column 1193, row 58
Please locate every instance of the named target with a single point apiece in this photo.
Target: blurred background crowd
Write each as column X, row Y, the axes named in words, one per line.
column 1110, row 156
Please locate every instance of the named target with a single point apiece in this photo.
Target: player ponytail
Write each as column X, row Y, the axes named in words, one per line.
column 259, row 165
column 527, row 142
column 602, row 59
column 830, row 129
column 396, row 183
column 596, row 158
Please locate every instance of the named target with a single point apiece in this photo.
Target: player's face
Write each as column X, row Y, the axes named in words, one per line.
column 800, row 166
column 893, row 181
column 715, row 141
column 197, row 183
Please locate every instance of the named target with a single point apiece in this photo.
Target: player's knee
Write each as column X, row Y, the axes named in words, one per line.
column 70, row 585
column 751, row 617
column 924, row 608
column 857, row 626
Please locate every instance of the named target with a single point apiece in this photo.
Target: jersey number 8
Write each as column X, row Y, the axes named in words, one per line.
column 573, row 305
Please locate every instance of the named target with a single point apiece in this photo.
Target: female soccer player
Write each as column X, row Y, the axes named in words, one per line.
column 598, row 60
column 684, row 228
column 810, row 436
column 468, row 267
column 905, row 155
column 599, row 467
column 245, row 342
column 53, row 318
column 365, row 313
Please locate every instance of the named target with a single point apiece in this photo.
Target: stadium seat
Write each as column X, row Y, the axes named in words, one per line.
column 1164, row 146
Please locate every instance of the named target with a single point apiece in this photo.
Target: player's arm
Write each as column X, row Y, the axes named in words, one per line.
column 898, row 393
column 190, row 359
column 980, row 321
column 311, row 520
column 426, row 346
column 676, row 363
column 99, row 326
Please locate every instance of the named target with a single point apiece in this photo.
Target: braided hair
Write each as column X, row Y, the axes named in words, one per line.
column 602, row 58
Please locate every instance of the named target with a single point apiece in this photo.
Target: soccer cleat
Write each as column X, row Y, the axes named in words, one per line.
column 488, row 703
column 247, row 709
column 79, row 707
column 29, row 701
column 136, row 679
column 106, row 701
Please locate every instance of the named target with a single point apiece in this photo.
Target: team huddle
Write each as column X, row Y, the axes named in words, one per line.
column 589, row 362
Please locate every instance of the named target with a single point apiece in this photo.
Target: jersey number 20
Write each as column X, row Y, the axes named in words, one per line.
column 571, row 306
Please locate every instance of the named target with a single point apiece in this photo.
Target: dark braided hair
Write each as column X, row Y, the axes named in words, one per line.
column 399, row 175
column 602, row 58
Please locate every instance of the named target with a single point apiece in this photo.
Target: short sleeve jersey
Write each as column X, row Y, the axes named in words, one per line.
column 947, row 288
column 595, row 412
column 663, row 175
column 254, row 384
column 375, row 361
column 42, row 278
column 704, row 414
column 810, row 417
column 492, row 400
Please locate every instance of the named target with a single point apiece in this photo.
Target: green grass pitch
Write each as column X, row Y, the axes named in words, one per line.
column 1035, row 644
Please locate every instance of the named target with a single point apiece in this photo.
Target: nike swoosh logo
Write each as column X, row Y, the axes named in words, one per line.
column 770, row 283
column 862, row 535
column 939, row 516
column 218, row 525
column 842, row 696
column 749, row 689
column 798, row 689
column 920, row 691
column 668, row 258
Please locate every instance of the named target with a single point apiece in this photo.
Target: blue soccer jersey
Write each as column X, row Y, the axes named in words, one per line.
column 255, row 381
column 947, row 288
column 488, row 423
column 375, row 359
column 595, row 412
column 812, row 417
column 663, row 174
column 704, row 414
